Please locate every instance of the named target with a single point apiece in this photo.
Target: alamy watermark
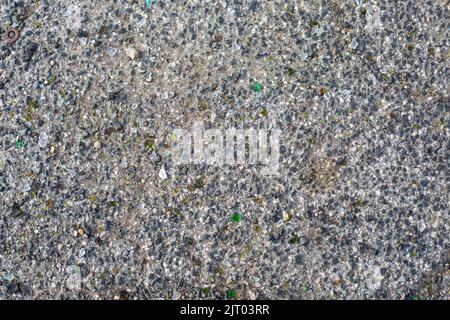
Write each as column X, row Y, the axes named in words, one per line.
column 233, row 147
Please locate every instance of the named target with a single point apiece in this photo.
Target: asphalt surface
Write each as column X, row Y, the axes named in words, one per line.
column 92, row 205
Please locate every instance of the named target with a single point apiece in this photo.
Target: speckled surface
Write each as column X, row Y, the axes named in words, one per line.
column 359, row 208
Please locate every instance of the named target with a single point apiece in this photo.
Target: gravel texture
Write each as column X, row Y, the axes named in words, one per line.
column 93, row 207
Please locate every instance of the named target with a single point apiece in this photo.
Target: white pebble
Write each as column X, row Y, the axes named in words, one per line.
column 162, row 173
column 421, row 226
column 83, row 41
column 132, row 53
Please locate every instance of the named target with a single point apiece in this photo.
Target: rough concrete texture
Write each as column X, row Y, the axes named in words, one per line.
column 93, row 207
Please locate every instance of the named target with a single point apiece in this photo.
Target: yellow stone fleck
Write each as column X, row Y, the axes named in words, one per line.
column 286, row 216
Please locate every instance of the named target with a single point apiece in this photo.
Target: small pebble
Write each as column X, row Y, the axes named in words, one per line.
column 162, row 173
column 111, row 51
column 132, row 53
column 354, row 44
column 83, row 41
